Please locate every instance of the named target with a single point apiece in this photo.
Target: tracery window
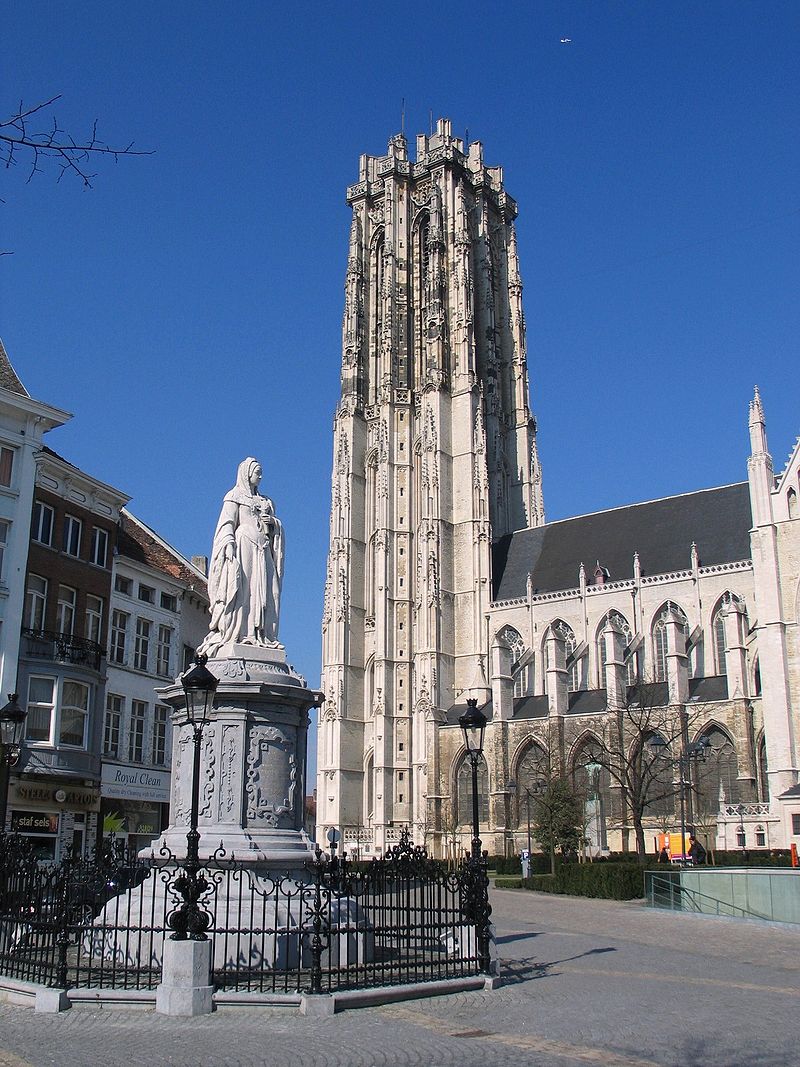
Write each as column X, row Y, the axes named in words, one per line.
column 464, row 792
column 631, row 665
column 575, row 679
column 716, row 778
column 660, row 639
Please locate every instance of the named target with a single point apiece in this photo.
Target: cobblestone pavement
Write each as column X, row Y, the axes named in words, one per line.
column 587, row 982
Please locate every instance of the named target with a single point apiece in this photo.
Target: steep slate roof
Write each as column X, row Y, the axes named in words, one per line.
column 141, row 544
column 8, row 376
column 661, row 531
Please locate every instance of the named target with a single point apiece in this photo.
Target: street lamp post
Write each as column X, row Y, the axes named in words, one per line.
column 189, row 920
column 473, row 726
column 697, row 750
column 12, row 722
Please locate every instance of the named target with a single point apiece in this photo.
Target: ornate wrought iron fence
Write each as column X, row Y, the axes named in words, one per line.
column 101, row 922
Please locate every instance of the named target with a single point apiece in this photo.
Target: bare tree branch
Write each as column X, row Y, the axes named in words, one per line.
column 19, row 142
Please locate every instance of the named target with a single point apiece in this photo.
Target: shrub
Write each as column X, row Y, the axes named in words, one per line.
column 611, row 881
column 508, row 883
column 540, row 862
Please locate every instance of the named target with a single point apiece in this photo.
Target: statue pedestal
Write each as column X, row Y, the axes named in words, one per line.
column 252, row 764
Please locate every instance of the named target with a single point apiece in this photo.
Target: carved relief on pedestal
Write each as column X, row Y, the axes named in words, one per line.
column 271, row 777
column 209, row 760
column 228, row 774
column 181, row 782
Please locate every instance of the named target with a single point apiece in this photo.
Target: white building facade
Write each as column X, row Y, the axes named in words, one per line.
column 159, row 615
column 23, row 424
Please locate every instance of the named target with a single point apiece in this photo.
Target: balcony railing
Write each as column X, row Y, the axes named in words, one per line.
column 63, row 648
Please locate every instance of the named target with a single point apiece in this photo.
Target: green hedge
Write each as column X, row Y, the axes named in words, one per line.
column 540, row 864
column 611, row 881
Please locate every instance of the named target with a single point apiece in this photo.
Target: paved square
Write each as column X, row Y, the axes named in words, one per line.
column 587, row 982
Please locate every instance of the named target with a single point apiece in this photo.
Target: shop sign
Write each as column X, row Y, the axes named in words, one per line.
column 134, row 783
column 67, row 796
column 34, row 822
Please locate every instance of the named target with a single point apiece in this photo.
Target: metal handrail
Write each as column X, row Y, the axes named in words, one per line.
column 654, row 881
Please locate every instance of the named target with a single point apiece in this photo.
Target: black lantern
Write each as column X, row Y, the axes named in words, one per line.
column 190, row 919
column 658, row 746
column 199, row 685
column 473, row 726
column 12, row 722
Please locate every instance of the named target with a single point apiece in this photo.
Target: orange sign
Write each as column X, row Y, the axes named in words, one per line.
column 672, row 843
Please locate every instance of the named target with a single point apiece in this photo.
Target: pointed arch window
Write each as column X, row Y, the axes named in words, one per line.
column 376, row 318
column 763, row 772
column 533, row 774
column 521, row 670
column 716, row 778
column 575, row 671
column 369, row 789
column 621, row 622
column 791, row 500
column 660, row 639
column 419, row 291
column 592, row 783
column 464, row 793
column 718, row 630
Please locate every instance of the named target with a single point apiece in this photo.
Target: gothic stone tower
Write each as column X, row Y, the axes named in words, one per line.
column 434, row 457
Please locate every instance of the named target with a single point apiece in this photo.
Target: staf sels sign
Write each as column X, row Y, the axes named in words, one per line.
column 134, row 783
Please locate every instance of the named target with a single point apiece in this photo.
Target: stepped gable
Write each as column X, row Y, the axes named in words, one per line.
column 717, row 520
column 8, row 376
column 141, row 544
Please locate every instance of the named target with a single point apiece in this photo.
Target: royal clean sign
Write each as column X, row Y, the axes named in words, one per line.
column 134, row 783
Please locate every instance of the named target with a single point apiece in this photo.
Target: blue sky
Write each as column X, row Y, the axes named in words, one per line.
column 187, row 309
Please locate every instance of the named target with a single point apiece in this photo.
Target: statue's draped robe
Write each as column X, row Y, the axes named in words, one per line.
column 245, row 591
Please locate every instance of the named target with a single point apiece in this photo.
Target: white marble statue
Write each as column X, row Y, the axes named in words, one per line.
column 244, row 581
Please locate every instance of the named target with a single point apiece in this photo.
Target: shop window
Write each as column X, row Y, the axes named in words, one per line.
column 6, row 465
column 136, row 735
column 58, row 712
column 99, row 553
column 43, row 519
column 113, row 725
column 163, row 651
column 94, row 619
column 74, row 714
column 141, row 650
column 35, row 602
column 72, row 535
column 160, row 721
column 119, row 631
column 41, row 709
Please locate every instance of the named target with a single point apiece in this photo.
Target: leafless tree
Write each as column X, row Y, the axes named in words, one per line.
column 24, row 140
column 648, row 784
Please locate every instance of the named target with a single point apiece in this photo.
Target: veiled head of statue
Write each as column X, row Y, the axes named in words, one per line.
column 248, row 475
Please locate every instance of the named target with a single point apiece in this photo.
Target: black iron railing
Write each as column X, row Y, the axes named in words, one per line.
column 64, row 648
column 101, row 922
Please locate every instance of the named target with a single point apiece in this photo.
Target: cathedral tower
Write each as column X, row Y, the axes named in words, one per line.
column 434, row 458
